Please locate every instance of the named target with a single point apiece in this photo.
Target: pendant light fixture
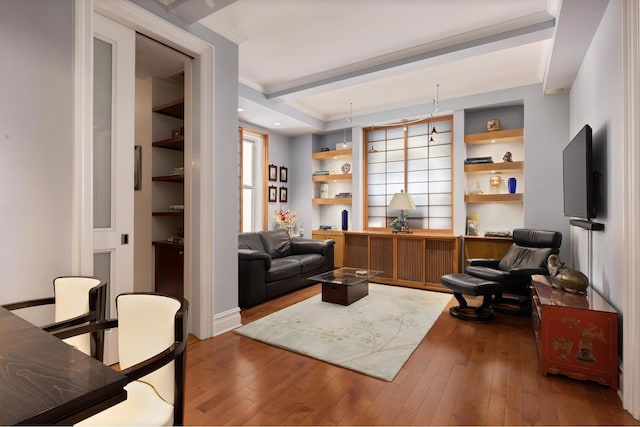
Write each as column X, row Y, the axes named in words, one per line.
column 436, row 105
column 344, row 131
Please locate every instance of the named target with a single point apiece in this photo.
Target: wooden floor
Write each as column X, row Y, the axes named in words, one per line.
column 463, row 373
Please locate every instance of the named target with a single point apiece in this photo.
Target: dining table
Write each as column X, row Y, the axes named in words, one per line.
column 44, row 380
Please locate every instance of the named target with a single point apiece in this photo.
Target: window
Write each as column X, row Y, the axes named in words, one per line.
column 253, row 150
column 415, row 159
column 248, row 183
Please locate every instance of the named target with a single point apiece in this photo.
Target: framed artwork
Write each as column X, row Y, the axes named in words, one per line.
column 283, row 194
column 283, row 174
column 273, row 194
column 273, row 173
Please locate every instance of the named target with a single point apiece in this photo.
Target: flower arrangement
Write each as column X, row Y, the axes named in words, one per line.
column 285, row 218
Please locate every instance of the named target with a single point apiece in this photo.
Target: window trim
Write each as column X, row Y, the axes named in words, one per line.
column 265, row 161
column 365, row 152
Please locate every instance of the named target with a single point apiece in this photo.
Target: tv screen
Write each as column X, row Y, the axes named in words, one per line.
column 577, row 173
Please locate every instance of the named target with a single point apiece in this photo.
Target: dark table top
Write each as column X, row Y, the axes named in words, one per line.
column 46, row 381
column 346, row 276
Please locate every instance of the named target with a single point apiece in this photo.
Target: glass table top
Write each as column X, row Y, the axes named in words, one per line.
column 346, row 276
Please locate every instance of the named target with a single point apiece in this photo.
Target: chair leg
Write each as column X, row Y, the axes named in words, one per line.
column 464, row 312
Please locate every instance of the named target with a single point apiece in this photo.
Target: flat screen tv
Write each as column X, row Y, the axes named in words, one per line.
column 577, row 173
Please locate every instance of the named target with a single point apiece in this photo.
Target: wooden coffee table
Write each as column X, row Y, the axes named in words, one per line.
column 345, row 285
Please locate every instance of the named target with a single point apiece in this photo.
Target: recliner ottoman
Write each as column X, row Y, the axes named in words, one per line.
column 465, row 284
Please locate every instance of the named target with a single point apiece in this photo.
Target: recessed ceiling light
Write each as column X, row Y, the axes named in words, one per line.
column 277, row 123
column 555, row 90
column 493, row 140
column 240, row 110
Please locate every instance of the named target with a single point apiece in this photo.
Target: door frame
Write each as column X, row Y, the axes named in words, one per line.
column 199, row 104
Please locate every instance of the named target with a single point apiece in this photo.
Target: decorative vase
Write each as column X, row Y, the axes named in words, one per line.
column 511, row 183
column 495, row 181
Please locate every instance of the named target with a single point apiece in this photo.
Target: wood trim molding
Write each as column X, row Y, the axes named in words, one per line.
column 265, row 181
column 630, row 384
column 240, row 172
column 82, row 194
column 265, row 178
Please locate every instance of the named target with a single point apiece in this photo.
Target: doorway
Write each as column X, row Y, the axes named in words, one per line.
column 162, row 147
column 200, row 195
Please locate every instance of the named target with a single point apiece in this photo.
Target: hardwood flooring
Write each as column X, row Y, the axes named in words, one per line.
column 463, row 373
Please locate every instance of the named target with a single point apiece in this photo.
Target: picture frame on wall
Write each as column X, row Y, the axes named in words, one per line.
column 273, row 194
column 283, row 194
column 273, row 173
column 283, row 174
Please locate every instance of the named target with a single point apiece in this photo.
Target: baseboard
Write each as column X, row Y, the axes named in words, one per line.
column 226, row 321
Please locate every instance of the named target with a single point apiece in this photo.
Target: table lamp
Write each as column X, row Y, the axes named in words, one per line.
column 404, row 202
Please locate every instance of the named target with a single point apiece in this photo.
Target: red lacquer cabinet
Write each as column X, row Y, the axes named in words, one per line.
column 576, row 335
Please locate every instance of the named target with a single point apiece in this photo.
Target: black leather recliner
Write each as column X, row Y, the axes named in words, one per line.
column 527, row 256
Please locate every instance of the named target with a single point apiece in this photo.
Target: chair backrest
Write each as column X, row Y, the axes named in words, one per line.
column 530, row 249
column 537, row 238
column 76, row 296
column 149, row 323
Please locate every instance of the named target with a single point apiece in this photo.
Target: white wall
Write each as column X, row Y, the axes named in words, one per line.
column 596, row 97
column 300, row 183
column 36, row 135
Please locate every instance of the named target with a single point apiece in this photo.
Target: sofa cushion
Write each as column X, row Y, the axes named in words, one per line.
column 309, row 262
column 277, row 243
column 487, row 273
column 283, row 268
column 306, row 246
column 250, row 240
column 522, row 257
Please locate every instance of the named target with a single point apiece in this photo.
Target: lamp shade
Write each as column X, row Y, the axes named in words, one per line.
column 402, row 201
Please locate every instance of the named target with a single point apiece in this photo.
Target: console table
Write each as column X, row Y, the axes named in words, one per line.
column 576, row 335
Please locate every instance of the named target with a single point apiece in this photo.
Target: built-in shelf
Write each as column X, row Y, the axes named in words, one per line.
column 170, row 178
column 175, row 143
column 509, row 135
column 178, row 214
column 173, row 109
column 333, row 201
column 332, row 177
column 488, row 198
column 494, row 167
column 332, row 154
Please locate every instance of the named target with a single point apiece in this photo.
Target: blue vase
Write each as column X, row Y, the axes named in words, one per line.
column 345, row 220
column 511, row 183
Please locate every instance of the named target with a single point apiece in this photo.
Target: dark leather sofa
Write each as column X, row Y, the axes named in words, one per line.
column 270, row 263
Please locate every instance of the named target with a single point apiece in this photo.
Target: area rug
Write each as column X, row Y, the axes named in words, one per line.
column 374, row 336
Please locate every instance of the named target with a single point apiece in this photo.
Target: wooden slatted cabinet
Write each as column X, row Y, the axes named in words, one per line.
column 413, row 260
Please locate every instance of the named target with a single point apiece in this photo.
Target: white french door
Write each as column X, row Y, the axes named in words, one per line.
column 113, row 161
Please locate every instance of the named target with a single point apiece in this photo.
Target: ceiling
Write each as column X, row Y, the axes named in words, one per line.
column 310, row 64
